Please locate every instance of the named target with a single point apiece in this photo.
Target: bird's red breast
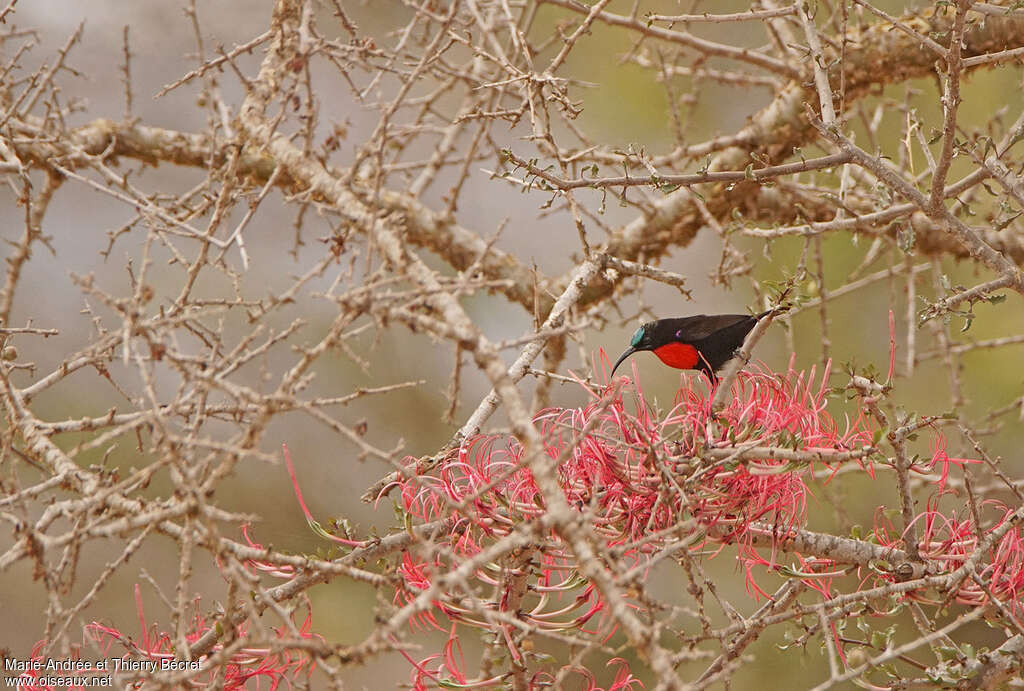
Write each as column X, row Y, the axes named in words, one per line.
column 678, row 355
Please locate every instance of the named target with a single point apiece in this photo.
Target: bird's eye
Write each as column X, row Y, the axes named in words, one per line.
column 679, row 334
column 638, row 336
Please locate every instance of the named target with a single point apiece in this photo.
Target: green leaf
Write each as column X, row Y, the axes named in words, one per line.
column 879, row 433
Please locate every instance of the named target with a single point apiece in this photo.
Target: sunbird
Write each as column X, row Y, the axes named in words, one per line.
column 701, row 342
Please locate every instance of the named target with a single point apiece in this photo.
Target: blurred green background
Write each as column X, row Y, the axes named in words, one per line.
column 627, row 108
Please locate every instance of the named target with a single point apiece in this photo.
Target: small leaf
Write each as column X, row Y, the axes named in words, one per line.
column 879, row 433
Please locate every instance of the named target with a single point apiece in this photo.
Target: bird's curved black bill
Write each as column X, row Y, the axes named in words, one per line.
column 629, row 351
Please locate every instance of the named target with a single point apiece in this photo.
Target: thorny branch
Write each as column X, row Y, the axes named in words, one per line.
column 151, row 365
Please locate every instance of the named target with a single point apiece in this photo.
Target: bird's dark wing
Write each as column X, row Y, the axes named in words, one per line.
column 700, row 326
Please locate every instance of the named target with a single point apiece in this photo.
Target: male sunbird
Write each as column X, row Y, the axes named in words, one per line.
column 701, row 342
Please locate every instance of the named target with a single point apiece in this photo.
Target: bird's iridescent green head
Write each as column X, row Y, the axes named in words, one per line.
column 636, row 343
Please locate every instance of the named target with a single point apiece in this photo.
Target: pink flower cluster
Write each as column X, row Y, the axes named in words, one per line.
column 950, row 539
column 645, row 481
column 242, row 665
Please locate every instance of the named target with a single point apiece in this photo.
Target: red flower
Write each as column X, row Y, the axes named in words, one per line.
column 644, row 479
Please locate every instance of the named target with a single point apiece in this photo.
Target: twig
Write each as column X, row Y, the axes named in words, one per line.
column 732, row 368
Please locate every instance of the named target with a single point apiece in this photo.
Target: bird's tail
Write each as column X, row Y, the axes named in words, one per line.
column 778, row 309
